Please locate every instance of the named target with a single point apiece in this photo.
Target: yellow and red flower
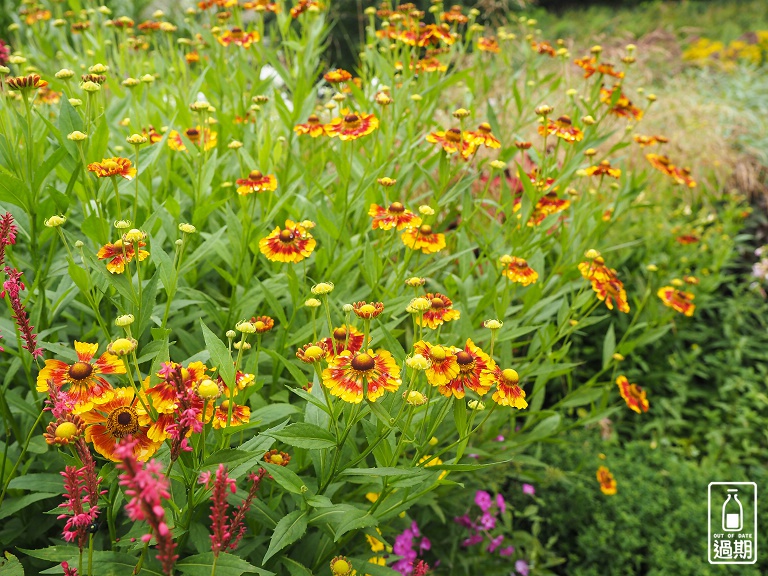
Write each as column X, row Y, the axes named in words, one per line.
column 119, row 253
column 686, row 239
column 277, row 458
column 547, row 205
column 367, row 311
column 176, row 143
column 622, row 107
column 83, row 377
column 633, row 395
column 240, row 415
column 48, row 96
column 562, row 128
column 313, row 127
column 238, row 37
column 113, row 167
column 484, row 136
column 432, row 34
column 347, row 374
column 444, row 365
column 485, row 44
column 431, row 64
column 424, row 239
column 590, row 65
column 518, row 270
column 256, row 182
column 649, row 140
column 544, row 47
column 661, row 163
column 677, row 300
column 263, row 323
column 472, row 362
column 262, row 6
column 607, row 481
column 304, row 6
column 440, row 312
column 508, row 391
column 352, row 126
column 344, row 337
column 337, row 76
column 30, row 81
column 603, row 169
column 395, row 216
column 291, row 244
column 605, row 283
column 453, row 140
column 112, row 418
column 454, row 16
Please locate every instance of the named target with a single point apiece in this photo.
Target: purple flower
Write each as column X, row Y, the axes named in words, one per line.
column 473, row 456
column 488, row 522
column 465, row 521
column 521, row 566
column 425, row 544
column 472, row 540
column 500, row 438
column 483, row 500
column 506, row 552
column 495, row 543
column 529, row 490
column 501, row 503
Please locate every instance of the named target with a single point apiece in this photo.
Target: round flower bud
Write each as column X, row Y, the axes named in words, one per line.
column 322, row 288
column 147, row 79
column 596, row 49
column 652, row 268
column 426, row 210
column 231, row 334
column 76, row 136
column 416, row 97
column 4, row 70
column 124, row 320
column 499, row 165
column 75, row 102
column 55, row 221
column 415, row 398
column 130, row 82
column 651, row 97
column 208, row 389
column 418, row 362
column 122, row 346
column 543, row 110
column 493, row 324
column 386, row 181
column 433, row 441
column 245, row 327
column 240, row 345
column 136, row 139
column 461, row 113
column 618, row 357
column 588, row 120
column 349, row 308
column 90, row 86
column 66, row 430
column 134, row 235
column 312, row 303
column 592, row 254
column 420, row 304
column 235, row 144
column 476, row 405
column 415, row 281
column 79, row 244
column 122, row 224
column 64, row 74
column 506, row 259
column 98, row 69
column 573, row 322
column 340, row 566
column 187, row 228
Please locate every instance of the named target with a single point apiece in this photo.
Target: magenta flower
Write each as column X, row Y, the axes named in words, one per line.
column 507, row 552
column 473, row 540
column 529, row 490
column 69, row 571
column 12, row 287
column 521, row 567
column 487, row 521
column 499, row 438
column 495, row 543
column 483, row 500
column 79, row 519
column 501, row 503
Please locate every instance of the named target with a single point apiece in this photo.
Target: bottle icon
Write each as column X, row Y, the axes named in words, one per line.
column 733, row 513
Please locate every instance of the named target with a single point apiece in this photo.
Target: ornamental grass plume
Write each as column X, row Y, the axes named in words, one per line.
column 146, row 487
column 225, row 533
column 11, row 287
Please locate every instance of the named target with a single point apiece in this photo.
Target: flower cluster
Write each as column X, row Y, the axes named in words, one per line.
column 409, row 544
column 481, row 527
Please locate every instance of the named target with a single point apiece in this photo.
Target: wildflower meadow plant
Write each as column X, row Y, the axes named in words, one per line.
column 253, row 279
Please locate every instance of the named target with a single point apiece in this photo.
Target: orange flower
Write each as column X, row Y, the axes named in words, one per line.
column 547, row 205
column 313, row 127
column 341, row 341
column 195, row 136
column 488, row 45
column 605, row 284
column 368, row 311
column 83, row 377
column 347, row 374
column 428, row 65
column 291, row 244
column 484, row 136
column 303, row 6
column 622, row 107
column 63, row 430
column 422, row 238
column 262, row 6
column 352, row 126
column 113, row 167
column 676, row 299
column 119, row 254
column 452, row 141
column 472, row 362
column 25, row 82
column 607, row 482
column 649, row 140
column 683, row 176
column 394, row 216
column 590, row 66
column 661, row 163
column 239, row 37
column 508, row 392
column 277, row 458
column 518, row 271
column 152, row 135
column 562, row 128
column 454, row 16
column 686, row 239
column 433, row 34
column 544, row 48
column 256, row 182
column 444, row 366
column 48, row 96
column 337, row 76
column 633, row 395
column 240, row 415
column 112, row 418
column 441, row 311
column 603, row 169
column 262, row 323
column 312, row 352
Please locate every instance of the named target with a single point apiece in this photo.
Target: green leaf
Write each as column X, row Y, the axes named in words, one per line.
column 609, row 345
column 580, row 397
column 220, row 356
column 69, row 121
column 11, row 566
column 295, row 568
column 543, row 429
column 13, row 191
column 38, row 483
column 226, row 565
column 16, row 504
column 288, row 530
column 288, row 479
column 303, row 435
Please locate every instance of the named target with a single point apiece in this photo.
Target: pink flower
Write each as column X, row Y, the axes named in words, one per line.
column 483, row 500
column 495, row 543
column 521, row 566
column 68, row 571
column 487, row 522
column 501, row 503
column 12, row 287
column 529, row 490
column 79, row 521
column 507, row 552
column 226, row 534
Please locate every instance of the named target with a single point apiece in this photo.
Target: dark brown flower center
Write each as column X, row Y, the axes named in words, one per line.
column 237, row 33
column 426, row 229
column 122, row 421
column 396, row 207
column 363, row 362
column 464, row 357
column 453, row 135
column 193, row 134
column 80, row 370
column 438, row 303
column 352, row 122
column 287, row 236
column 340, row 334
column 565, row 120
column 485, row 128
column 254, row 175
column 313, row 119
